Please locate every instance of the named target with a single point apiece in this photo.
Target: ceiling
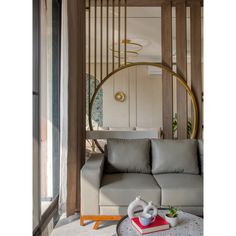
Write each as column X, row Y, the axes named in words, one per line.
column 143, row 26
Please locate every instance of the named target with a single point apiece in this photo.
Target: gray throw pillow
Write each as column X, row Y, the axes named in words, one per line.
column 128, row 156
column 174, row 156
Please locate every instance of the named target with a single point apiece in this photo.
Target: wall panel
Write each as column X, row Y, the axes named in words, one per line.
column 143, row 105
column 132, row 97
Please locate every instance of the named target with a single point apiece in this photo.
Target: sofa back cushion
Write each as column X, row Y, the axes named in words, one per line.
column 200, row 155
column 128, row 156
column 174, row 156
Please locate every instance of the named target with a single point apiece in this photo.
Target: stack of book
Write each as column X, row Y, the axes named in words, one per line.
column 158, row 225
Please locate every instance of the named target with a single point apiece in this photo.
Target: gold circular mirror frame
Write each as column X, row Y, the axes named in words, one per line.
column 159, row 65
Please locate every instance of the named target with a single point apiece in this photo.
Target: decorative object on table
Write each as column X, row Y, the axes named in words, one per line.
column 189, row 223
column 158, row 224
column 149, row 207
column 120, row 96
column 146, row 208
column 138, row 202
column 172, row 216
column 146, row 219
column 147, row 215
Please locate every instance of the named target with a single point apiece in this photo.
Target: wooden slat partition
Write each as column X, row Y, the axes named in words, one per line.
column 149, row 3
column 196, row 68
column 181, row 63
column 167, row 85
column 76, row 102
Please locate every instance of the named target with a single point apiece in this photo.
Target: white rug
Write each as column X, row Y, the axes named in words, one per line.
column 71, row 227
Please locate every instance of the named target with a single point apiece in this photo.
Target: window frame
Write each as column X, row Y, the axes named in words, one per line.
column 40, row 222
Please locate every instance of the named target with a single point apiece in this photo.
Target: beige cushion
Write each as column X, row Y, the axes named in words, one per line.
column 121, row 189
column 128, row 156
column 174, row 156
column 180, row 189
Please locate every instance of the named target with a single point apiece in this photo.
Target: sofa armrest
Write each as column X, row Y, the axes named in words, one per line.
column 200, row 155
column 91, row 175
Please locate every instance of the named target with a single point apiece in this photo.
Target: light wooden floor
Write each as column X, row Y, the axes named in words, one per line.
column 70, row 227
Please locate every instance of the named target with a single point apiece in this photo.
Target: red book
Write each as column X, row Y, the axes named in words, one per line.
column 157, row 225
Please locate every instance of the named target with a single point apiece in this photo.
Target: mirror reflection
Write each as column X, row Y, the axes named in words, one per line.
column 131, row 99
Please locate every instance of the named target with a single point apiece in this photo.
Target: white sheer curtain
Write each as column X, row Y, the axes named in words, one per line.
column 63, row 109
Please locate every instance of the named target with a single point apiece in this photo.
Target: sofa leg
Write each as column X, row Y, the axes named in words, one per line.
column 98, row 219
column 97, row 224
column 81, row 221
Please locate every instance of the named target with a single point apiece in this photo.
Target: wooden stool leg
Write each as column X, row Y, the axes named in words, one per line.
column 97, row 224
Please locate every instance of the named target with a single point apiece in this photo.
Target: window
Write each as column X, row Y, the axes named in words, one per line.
column 49, row 104
column 46, row 91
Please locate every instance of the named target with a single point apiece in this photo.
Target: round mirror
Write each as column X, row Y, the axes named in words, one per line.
column 130, row 98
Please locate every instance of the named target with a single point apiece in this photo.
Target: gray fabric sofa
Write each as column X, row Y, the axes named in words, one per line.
column 166, row 172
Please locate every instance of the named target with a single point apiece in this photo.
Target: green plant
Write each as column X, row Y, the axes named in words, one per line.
column 175, row 126
column 172, row 212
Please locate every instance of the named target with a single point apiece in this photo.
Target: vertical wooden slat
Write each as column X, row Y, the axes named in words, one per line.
column 113, row 35
column 181, row 63
column 119, row 33
column 167, row 88
column 95, row 44
column 107, row 38
column 125, row 29
column 76, row 101
column 196, row 68
column 89, row 51
column 101, row 39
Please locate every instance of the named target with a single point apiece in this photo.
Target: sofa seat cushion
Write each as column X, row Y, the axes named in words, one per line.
column 180, row 189
column 121, row 189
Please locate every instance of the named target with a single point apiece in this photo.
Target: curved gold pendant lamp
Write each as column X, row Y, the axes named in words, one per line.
column 131, row 48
